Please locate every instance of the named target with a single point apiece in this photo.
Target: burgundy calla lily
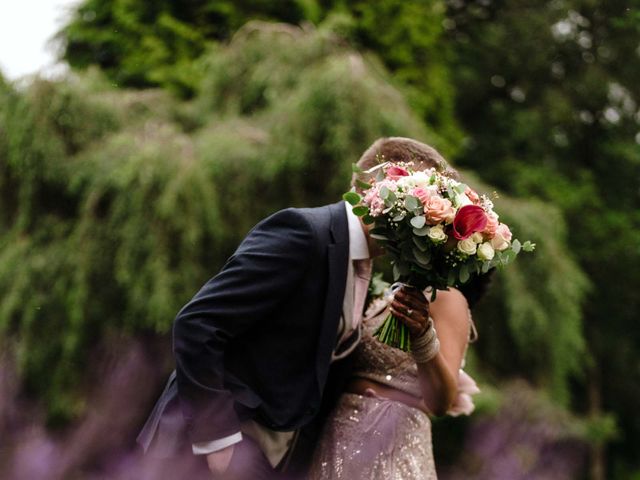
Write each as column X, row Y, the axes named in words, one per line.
column 468, row 220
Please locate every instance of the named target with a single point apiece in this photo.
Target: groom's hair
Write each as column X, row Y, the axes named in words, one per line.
column 402, row 150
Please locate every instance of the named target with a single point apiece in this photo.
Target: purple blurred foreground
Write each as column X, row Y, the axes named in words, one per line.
column 526, row 439
column 99, row 446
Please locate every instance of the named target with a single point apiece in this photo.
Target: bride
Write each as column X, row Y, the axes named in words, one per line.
column 380, row 428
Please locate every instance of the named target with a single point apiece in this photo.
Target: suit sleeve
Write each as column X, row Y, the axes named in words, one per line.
column 263, row 271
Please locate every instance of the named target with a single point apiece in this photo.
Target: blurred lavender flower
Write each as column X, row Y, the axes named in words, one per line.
column 101, row 444
column 526, row 439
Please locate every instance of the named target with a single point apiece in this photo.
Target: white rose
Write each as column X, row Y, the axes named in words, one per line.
column 477, row 237
column 485, row 251
column 421, row 178
column 499, row 243
column 467, row 246
column 436, row 233
column 406, row 182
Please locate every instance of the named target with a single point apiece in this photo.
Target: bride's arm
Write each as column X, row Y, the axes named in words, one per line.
column 438, row 376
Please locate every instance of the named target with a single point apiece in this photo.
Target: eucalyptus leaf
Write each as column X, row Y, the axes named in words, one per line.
column 411, row 203
column 396, row 272
column 507, row 257
column 363, row 185
column 360, row 210
column 384, row 193
column 352, row 197
column 516, row 246
column 528, row 246
column 420, row 243
column 377, row 236
column 464, row 273
column 423, row 258
column 368, row 219
column 418, row 222
column 421, row 232
column 356, row 169
column 380, row 175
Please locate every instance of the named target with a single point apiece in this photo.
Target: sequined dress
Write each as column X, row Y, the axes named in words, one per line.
column 373, row 438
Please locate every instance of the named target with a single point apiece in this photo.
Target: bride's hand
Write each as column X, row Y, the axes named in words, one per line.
column 411, row 307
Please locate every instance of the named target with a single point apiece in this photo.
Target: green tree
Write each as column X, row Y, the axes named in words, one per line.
column 118, row 204
column 547, row 92
column 127, row 201
column 142, row 44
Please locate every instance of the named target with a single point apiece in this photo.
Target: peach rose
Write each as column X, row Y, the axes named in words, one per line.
column 438, row 209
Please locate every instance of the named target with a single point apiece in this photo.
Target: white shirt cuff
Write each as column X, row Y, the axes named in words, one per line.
column 205, row 448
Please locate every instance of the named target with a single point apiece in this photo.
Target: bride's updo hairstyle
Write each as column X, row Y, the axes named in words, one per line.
column 401, row 150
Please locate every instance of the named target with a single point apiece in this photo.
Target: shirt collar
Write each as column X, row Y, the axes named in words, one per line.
column 358, row 248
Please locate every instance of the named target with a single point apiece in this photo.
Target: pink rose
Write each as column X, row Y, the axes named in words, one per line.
column 504, row 232
column 469, row 220
column 472, row 195
column 394, row 172
column 438, row 209
column 492, row 225
column 423, row 194
column 502, row 239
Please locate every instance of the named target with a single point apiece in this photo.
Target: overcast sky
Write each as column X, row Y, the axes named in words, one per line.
column 25, row 28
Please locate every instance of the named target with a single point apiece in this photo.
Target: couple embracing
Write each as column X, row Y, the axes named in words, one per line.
column 278, row 375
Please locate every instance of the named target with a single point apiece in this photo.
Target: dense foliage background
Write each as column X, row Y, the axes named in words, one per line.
column 126, row 184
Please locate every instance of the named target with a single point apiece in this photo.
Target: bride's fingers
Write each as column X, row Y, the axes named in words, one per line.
column 406, row 308
column 413, row 292
column 414, row 326
column 419, row 313
column 418, row 317
column 411, row 302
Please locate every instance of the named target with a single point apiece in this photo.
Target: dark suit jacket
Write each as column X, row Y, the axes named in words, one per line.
column 256, row 340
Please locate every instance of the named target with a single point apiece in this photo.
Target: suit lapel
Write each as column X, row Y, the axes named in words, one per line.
column 338, row 259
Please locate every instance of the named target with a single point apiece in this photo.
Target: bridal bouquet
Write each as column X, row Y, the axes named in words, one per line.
column 437, row 230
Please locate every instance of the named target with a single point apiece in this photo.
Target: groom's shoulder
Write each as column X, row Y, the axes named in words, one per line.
column 322, row 214
column 315, row 217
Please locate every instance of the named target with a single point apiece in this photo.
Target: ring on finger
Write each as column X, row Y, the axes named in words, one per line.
column 409, row 311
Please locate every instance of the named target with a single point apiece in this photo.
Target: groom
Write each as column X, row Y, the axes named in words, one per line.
column 254, row 346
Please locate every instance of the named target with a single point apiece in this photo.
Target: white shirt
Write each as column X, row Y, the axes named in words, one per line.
column 275, row 444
